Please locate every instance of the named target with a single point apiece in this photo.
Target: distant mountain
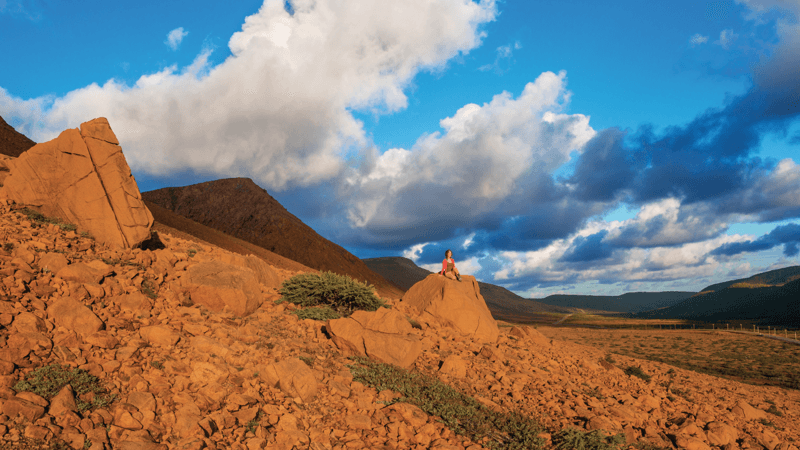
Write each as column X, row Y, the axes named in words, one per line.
column 240, row 208
column 773, row 305
column 772, row 278
column 631, row 302
column 504, row 304
column 13, row 143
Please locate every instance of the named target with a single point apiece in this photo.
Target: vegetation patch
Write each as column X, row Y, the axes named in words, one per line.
column 40, row 219
column 459, row 412
column 48, row 381
column 316, row 313
column 341, row 293
column 576, row 439
column 636, row 371
column 148, row 288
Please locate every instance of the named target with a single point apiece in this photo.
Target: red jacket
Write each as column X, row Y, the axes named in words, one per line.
column 444, row 265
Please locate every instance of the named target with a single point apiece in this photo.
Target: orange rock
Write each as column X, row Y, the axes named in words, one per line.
column 28, row 323
column 159, row 335
column 295, row 378
column 454, row 366
column 721, row 434
column 53, row 262
column 220, row 286
column 74, row 316
column 411, row 414
column 63, row 402
column 385, row 335
column 92, row 272
column 454, row 304
column 82, row 177
column 529, row 334
column 358, row 421
column 101, row 339
column 18, row 406
column 743, row 409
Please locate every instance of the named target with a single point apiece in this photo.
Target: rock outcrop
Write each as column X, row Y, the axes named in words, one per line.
column 442, row 302
column 81, row 177
column 220, row 287
column 385, row 335
column 12, row 142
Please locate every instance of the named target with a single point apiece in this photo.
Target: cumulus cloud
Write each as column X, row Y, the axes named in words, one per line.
column 414, row 252
column 175, row 37
column 279, row 108
column 698, row 39
column 492, row 161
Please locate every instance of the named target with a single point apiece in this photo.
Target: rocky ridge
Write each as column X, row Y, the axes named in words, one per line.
column 12, row 142
column 193, row 376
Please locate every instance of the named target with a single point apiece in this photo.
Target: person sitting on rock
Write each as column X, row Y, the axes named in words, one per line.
column 449, row 267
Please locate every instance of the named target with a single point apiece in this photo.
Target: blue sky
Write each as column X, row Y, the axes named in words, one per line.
column 555, row 146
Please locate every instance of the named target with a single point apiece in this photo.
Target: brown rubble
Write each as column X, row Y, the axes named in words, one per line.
column 189, row 376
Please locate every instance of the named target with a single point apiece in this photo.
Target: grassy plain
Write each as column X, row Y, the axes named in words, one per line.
column 741, row 357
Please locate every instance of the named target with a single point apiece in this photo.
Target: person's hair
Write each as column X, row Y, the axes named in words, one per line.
column 446, row 252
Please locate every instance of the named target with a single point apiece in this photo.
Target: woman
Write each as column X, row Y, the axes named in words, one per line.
column 449, row 267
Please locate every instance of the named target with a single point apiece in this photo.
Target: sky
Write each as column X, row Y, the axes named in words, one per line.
column 555, row 146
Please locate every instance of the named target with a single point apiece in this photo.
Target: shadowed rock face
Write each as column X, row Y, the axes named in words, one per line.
column 82, row 177
column 13, row 143
column 240, row 208
column 440, row 301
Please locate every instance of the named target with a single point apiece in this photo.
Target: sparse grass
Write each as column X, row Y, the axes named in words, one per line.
column 191, row 252
column 47, row 381
column 636, row 371
column 610, row 359
column 148, row 288
column 774, row 410
column 575, row 439
column 414, row 323
column 740, row 357
column 342, row 293
column 157, row 364
column 253, row 424
column 316, row 313
column 8, row 246
column 308, row 360
column 40, row 219
column 459, row 412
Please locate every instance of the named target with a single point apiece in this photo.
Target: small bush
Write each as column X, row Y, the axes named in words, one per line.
column 308, row 360
column 47, row 381
column 636, row 371
column 610, row 359
column 575, row 439
column 342, row 293
column 316, row 313
column 459, row 412
column 157, row 364
column 149, row 288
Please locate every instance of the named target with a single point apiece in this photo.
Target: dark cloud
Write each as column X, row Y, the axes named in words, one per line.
column 605, row 167
column 786, row 235
column 589, row 248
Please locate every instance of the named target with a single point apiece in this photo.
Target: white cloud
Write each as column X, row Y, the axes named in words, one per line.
column 503, row 60
column 175, row 37
column 279, row 109
column 486, row 154
column 698, row 39
column 415, row 251
column 468, row 241
column 726, row 39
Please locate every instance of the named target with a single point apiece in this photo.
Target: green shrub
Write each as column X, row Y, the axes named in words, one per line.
column 47, row 381
column 774, row 410
column 636, row 371
column 576, row 439
column 342, row 293
column 316, row 313
column 459, row 412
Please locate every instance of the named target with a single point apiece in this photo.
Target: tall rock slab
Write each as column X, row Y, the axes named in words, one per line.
column 440, row 301
column 82, row 177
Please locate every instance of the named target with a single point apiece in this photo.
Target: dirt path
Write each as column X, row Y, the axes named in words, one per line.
column 559, row 321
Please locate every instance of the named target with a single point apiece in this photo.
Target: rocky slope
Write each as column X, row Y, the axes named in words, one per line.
column 191, row 376
column 240, row 208
column 12, row 143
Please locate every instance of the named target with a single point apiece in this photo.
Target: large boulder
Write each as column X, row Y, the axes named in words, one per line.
column 459, row 305
column 82, row 177
column 220, row 287
column 385, row 335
